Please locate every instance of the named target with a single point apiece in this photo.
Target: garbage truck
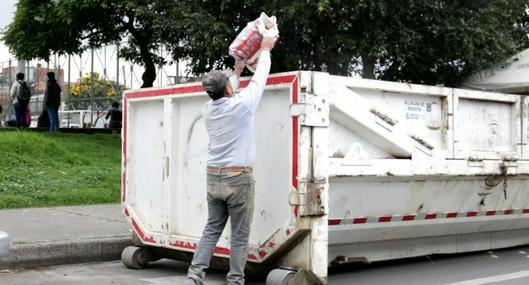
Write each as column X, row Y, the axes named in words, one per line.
column 347, row 170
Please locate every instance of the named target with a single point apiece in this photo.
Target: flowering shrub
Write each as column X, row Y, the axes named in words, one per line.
column 93, row 90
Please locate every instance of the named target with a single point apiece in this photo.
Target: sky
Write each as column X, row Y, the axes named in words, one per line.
column 7, row 12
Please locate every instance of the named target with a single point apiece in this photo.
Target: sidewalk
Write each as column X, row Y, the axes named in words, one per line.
column 63, row 235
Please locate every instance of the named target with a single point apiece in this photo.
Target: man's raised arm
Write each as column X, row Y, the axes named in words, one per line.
column 253, row 93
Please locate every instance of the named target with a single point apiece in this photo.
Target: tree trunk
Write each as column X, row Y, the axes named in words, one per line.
column 143, row 39
column 391, row 73
column 368, row 66
column 149, row 75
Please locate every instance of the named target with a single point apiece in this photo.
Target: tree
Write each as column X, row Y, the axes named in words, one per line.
column 436, row 41
column 93, row 89
column 72, row 26
column 424, row 41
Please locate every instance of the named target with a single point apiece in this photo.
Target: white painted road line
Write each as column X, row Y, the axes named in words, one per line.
column 495, row 278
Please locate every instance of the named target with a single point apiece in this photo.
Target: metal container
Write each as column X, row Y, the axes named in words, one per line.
column 4, row 243
column 347, row 170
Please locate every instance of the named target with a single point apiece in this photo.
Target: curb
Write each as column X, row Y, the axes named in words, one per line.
column 67, row 252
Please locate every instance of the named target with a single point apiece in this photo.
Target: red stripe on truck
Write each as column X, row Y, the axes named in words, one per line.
column 408, row 218
column 295, row 141
column 284, row 79
column 384, row 219
column 141, row 234
column 218, row 249
column 165, row 92
column 222, row 250
column 361, row 220
column 124, row 147
column 428, row 216
column 262, row 253
column 333, row 222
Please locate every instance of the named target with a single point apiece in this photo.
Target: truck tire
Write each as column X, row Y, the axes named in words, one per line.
column 280, row 277
column 135, row 257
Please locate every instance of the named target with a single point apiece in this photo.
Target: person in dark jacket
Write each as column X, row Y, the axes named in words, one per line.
column 115, row 115
column 52, row 101
column 2, row 117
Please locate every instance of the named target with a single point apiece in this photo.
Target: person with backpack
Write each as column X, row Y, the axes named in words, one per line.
column 52, row 101
column 20, row 96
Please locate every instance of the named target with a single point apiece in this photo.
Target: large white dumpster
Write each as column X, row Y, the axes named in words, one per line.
column 346, row 170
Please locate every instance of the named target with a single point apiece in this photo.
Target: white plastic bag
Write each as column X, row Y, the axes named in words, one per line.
column 247, row 46
column 10, row 113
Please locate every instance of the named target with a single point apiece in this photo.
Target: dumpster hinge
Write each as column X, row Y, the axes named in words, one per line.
column 313, row 111
column 309, row 203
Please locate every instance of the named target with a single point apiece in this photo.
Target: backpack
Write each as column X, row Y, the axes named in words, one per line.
column 25, row 93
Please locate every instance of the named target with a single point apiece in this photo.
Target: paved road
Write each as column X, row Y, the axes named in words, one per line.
column 507, row 267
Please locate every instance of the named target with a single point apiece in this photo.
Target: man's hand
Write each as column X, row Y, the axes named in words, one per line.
column 268, row 43
column 239, row 67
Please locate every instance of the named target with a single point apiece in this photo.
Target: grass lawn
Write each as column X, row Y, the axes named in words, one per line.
column 44, row 170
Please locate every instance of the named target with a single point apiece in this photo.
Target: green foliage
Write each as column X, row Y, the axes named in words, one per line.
column 423, row 41
column 72, row 26
column 42, row 170
column 102, row 91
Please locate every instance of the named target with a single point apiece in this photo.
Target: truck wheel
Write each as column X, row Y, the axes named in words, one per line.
column 135, row 257
column 280, row 277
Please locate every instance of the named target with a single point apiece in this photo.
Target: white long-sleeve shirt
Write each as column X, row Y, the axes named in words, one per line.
column 230, row 121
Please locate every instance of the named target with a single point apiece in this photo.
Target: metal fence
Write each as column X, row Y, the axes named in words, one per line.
column 70, row 69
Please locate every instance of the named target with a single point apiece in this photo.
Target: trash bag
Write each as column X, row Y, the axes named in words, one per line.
column 10, row 113
column 247, row 46
column 44, row 119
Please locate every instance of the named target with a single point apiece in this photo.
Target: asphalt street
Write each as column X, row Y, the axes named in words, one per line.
column 508, row 267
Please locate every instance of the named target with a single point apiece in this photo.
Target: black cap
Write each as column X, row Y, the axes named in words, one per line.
column 215, row 83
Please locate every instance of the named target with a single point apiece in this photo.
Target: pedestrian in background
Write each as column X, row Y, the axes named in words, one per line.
column 2, row 116
column 52, row 101
column 20, row 95
column 115, row 116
